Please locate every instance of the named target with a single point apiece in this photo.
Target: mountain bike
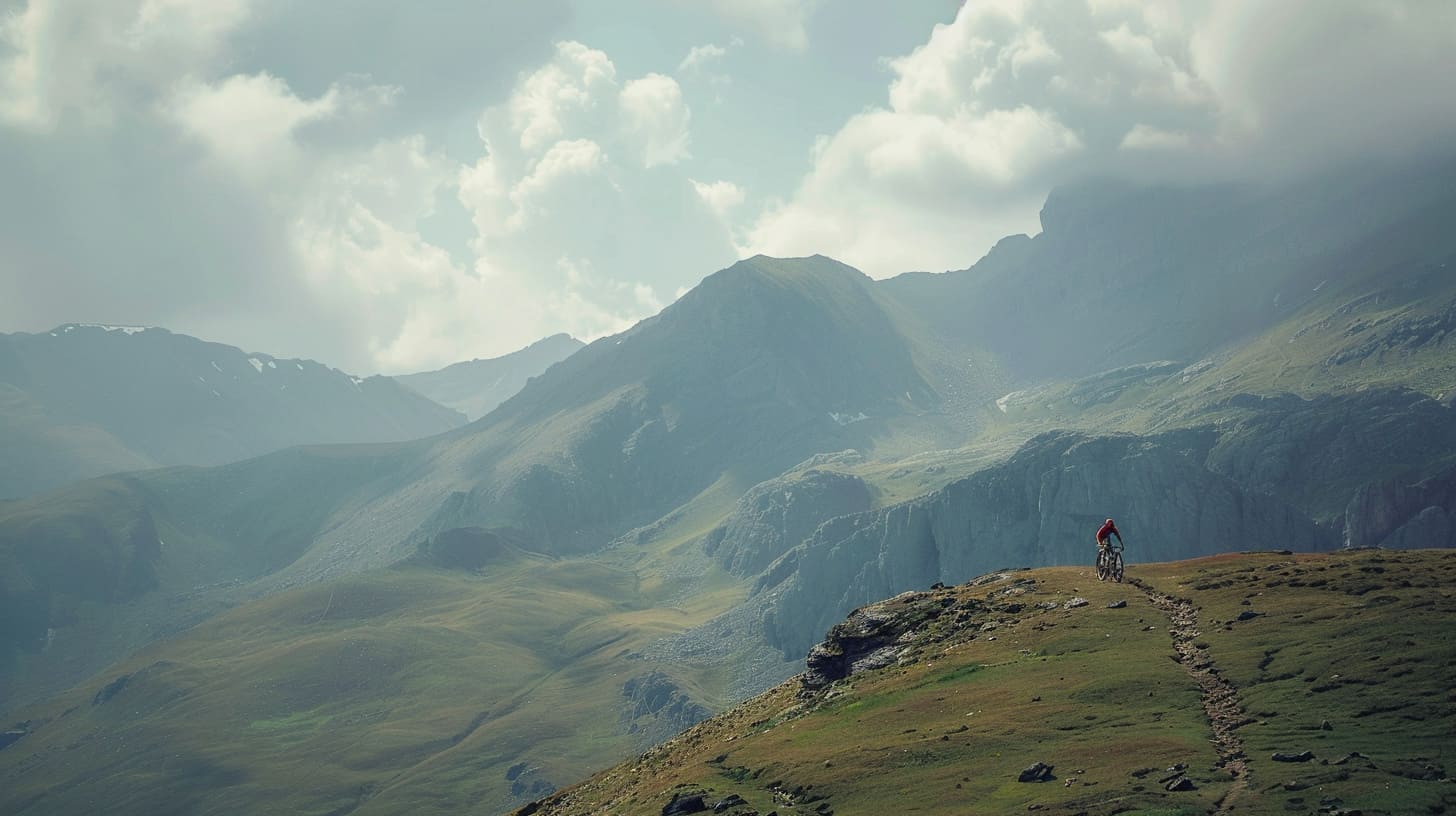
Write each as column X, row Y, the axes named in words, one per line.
column 1109, row 562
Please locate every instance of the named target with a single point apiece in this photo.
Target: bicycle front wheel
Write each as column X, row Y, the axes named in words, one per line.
column 1114, row 569
column 1104, row 568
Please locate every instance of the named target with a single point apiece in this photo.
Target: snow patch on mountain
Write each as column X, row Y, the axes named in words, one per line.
column 1008, row 399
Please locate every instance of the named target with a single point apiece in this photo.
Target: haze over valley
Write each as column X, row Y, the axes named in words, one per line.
column 1212, row 298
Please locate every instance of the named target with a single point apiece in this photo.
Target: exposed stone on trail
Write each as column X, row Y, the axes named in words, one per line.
column 1037, row 772
column 1182, row 783
column 1074, row 603
column 1220, row 699
column 1173, row 772
column 1117, row 605
column 1302, row 756
column 732, row 800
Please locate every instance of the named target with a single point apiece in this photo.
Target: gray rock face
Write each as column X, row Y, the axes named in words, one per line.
column 1430, row 527
column 780, row 513
column 1317, row 453
column 1393, row 514
column 657, row 709
column 1039, row 508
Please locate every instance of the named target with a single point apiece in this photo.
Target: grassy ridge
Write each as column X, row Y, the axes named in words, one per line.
column 1348, row 652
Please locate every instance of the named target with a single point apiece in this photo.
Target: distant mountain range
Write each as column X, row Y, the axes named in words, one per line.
column 88, row 400
column 85, row 400
column 646, row 529
column 476, row 387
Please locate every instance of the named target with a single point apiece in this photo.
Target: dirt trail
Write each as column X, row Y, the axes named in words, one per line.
column 1220, row 699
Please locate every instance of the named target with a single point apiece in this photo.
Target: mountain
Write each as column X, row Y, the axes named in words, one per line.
column 1124, row 274
column 1251, row 683
column 642, row 533
column 738, row 381
column 83, row 401
column 476, row 387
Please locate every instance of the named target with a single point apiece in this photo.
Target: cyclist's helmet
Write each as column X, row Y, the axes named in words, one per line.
column 1109, row 521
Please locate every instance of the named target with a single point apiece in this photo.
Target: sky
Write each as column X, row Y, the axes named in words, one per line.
column 391, row 187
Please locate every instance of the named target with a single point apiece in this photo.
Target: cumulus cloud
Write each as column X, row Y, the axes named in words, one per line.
column 250, row 123
column 79, row 58
column 583, row 220
column 240, row 169
column 1015, row 96
column 722, row 197
column 404, row 185
column 700, row 56
column 655, row 119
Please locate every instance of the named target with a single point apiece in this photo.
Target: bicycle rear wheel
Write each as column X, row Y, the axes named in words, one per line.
column 1104, row 566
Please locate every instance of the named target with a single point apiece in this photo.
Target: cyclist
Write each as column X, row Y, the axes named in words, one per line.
column 1105, row 534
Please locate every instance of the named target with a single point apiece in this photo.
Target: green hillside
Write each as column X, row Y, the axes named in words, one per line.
column 1116, row 687
column 413, row 689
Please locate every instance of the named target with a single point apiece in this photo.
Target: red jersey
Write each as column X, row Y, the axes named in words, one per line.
column 1107, row 530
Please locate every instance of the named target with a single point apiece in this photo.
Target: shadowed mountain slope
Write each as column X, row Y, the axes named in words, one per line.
column 1124, row 274
column 741, row 379
column 762, row 365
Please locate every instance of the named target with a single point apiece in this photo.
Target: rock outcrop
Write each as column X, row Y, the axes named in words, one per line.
column 657, row 708
column 871, row 637
column 778, row 514
column 1393, row 514
column 1317, row 453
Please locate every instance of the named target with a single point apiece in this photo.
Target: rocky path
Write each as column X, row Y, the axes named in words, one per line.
column 1221, row 701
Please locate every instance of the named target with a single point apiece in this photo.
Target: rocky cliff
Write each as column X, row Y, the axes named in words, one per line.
column 1039, row 508
column 777, row 514
column 1316, row 453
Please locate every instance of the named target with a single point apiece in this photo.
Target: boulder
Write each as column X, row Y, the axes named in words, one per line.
column 684, row 803
column 1182, row 783
column 1036, row 772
